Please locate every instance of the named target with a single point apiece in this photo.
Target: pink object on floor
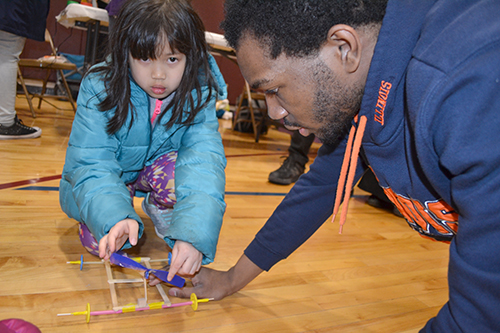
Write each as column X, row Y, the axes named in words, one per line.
column 17, row 326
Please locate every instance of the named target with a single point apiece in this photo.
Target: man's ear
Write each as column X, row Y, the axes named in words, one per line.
column 344, row 45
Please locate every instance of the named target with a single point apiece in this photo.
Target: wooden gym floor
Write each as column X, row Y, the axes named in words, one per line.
column 378, row 276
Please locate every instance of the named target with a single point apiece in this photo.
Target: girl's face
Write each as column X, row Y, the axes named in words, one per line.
column 159, row 77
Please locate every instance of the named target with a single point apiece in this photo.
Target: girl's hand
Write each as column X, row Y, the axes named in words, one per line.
column 117, row 236
column 186, row 260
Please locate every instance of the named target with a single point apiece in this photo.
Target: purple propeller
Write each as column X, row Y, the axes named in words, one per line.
column 126, row 262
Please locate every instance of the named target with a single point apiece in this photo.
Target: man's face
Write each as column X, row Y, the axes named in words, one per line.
column 304, row 92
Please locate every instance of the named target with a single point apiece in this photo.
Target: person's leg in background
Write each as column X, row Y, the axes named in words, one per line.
column 11, row 127
column 295, row 163
column 377, row 199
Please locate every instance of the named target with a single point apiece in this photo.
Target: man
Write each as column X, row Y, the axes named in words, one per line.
column 18, row 20
column 419, row 82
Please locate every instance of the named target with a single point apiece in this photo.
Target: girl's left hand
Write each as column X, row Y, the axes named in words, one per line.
column 117, row 236
column 186, row 260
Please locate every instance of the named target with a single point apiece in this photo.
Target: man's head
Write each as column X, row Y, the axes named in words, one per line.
column 311, row 58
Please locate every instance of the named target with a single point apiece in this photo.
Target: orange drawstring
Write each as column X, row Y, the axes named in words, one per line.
column 348, row 170
column 343, row 172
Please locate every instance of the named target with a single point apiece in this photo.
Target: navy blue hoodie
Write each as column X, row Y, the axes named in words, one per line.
column 432, row 138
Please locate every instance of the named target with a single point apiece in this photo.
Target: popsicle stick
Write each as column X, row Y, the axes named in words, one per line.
column 142, row 302
column 112, row 289
column 125, row 281
column 162, row 292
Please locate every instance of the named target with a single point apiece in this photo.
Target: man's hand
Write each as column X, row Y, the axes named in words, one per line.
column 117, row 236
column 209, row 283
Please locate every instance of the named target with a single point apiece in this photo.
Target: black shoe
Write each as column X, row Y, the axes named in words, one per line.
column 288, row 173
column 396, row 212
column 19, row 131
column 377, row 203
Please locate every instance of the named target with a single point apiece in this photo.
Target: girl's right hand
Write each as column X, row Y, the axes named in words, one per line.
column 117, row 236
column 186, row 260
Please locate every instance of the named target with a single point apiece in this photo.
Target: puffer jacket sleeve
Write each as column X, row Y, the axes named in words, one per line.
column 92, row 191
column 200, row 185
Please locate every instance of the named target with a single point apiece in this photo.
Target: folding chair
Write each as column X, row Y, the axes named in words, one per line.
column 48, row 64
column 251, row 96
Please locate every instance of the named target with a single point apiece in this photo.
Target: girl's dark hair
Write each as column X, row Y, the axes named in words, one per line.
column 140, row 30
column 295, row 27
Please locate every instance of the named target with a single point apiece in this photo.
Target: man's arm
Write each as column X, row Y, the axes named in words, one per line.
column 209, row 283
column 302, row 212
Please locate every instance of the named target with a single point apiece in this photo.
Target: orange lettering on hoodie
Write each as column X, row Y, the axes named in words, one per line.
column 383, row 94
column 438, row 213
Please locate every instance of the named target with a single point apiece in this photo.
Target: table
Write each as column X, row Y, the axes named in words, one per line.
column 219, row 46
column 94, row 20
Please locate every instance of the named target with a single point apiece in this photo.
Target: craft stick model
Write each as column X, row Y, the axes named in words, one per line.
column 126, row 262
column 145, row 270
column 193, row 302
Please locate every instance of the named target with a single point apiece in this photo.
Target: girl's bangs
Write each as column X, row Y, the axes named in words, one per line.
column 148, row 41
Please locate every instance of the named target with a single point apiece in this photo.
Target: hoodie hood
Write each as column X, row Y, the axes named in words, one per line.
column 387, row 74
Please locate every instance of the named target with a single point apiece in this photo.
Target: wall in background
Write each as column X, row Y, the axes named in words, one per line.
column 212, row 13
column 73, row 40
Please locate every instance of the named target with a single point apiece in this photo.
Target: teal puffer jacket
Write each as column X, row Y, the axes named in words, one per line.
column 98, row 165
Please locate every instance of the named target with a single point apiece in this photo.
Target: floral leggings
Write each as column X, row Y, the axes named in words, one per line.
column 157, row 179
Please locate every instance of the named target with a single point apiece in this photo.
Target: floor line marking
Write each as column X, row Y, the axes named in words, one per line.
column 28, row 182
column 56, row 188
column 56, row 177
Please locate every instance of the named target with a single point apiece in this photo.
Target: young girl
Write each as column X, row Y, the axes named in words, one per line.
column 148, row 108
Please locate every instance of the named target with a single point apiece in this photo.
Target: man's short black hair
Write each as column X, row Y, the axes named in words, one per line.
column 298, row 28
